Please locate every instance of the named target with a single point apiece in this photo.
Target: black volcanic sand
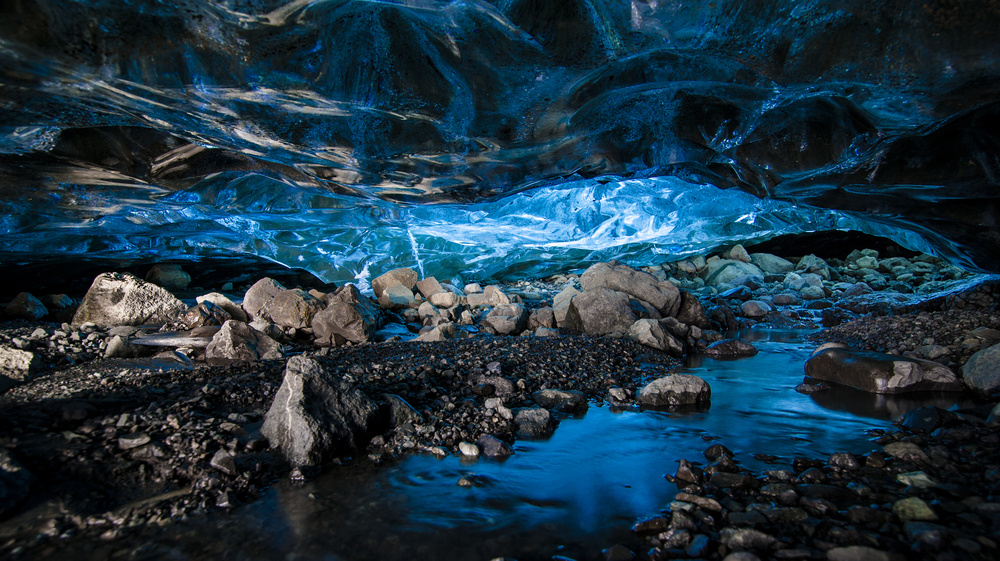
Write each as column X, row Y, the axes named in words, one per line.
column 120, row 448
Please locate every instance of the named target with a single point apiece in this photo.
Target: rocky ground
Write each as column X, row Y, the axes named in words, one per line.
column 109, row 429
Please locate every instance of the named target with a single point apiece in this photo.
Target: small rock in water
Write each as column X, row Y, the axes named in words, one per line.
column 535, row 422
column 675, row 390
column 493, row 447
column 570, row 401
column 730, row 348
column 468, row 449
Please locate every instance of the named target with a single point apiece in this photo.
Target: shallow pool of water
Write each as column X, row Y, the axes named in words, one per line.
column 572, row 494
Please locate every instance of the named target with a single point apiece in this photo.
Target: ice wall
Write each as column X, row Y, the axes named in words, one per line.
column 495, row 139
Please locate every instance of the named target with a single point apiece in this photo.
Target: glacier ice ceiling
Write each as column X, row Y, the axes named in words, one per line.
column 497, row 139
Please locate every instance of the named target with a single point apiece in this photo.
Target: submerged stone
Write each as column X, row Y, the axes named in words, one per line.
column 675, row 390
column 879, row 373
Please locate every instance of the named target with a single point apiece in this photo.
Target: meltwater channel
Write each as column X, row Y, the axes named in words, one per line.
column 573, row 494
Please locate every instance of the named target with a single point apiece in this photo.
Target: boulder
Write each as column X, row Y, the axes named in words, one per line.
column 738, row 253
column 440, row 332
column 879, row 373
column 294, row 308
column 602, row 311
column 755, row 309
column 15, row 482
column 815, row 265
column 507, row 319
column 405, row 276
column 396, row 297
column 169, row 275
column 56, row 301
column 401, row 412
column 429, row 287
column 493, row 447
column 561, row 401
column 724, row 271
column 205, row 313
column 534, row 422
column 675, row 390
column 652, row 333
column 125, row 299
column 692, row 312
column 982, row 371
column 234, row 311
column 444, row 299
column 122, row 347
column 490, row 296
column 542, row 317
column 316, row 415
column 238, row 342
column 560, row 304
column 26, row 306
column 258, row 298
column 17, row 364
column 730, row 348
column 349, row 315
column 771, row 264
column 662, row 295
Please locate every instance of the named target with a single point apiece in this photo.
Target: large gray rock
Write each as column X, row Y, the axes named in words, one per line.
column 404, row 276
column 169, row 275
column 257, row 300
column 982, row 371
column 396, row 297
column 238, row 342
column 508, row 319
column 294, row 308
column 879, row 373
column 675, row 390
column 771, row 264
column 652, row 333
column 349, row 315
column 560, row 304
column 26, row 306
column 15, row 482
column 220, row 300
column 17, row 364
column 316, row 415
column 602, row 311
column 125, row 299
column 725, row 271
column 663, row 295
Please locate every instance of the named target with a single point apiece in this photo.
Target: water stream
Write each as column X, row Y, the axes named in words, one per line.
column 573, row 494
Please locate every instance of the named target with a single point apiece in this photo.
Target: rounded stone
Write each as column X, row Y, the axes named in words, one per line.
column 675, row 390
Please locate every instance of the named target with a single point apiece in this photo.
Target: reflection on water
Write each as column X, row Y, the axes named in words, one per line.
column 573, row 494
